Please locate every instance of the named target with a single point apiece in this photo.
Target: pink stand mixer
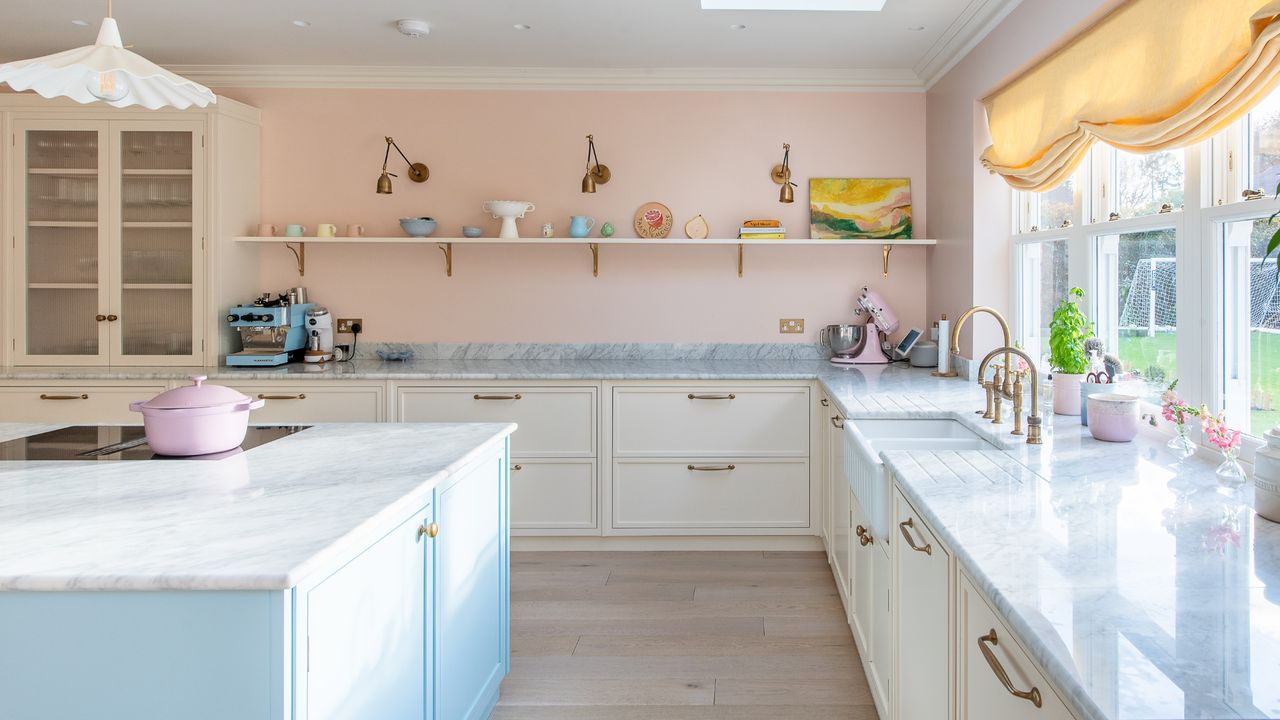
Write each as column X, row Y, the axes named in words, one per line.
column 872, row 320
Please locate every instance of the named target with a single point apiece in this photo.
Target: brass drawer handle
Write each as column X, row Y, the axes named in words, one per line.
column 864, row 537
column 299, row 396
column 81, row 396
column 825, row 402
column 837, row 421
column 430, row 530
column 517, row 396
column 909, row 523
column 729, row 396
column 1033, row 694
column 712, row 468
column 517, row 467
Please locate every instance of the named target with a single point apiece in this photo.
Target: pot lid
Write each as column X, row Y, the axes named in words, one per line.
column 196, row 395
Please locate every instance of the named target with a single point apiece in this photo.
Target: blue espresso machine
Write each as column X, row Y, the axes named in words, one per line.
column 268, row 335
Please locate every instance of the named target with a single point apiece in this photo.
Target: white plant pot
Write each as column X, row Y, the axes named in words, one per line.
column 1066, row 393
column 1266, row 477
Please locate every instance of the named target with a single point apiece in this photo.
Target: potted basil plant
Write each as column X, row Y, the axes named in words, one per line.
column 1068, row 360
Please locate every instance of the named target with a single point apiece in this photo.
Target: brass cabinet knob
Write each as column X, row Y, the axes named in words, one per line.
column 100, row 317
column 112, row 318
column 517, row 466
column 860, row 531
column 430, row 530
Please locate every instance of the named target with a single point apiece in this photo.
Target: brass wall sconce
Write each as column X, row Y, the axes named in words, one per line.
column 418, row 172
column 781, row 175
column 595, row 173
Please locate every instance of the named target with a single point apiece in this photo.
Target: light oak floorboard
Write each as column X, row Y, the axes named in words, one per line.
column 610, row 691
column 709, row 712
column 652, row 591
column 649, row 627
column 732, row 691
column 800, row 667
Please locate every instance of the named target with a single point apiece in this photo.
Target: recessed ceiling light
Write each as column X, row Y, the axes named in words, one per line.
column 522, row 26
column 814, row 5
column 80, row 23
column 915, row 28
column 738, row 26
column 302, row 23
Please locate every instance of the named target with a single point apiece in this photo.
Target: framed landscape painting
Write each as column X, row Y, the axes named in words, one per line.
column 875, row 208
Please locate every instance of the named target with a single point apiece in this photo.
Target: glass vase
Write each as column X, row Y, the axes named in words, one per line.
column 1230, row 473
column 1181, row 444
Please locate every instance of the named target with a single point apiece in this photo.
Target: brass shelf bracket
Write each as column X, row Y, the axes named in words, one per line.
column 886, row 250
column 447, row 249
column 739, row 259
column 299, row 254
column 595, row 259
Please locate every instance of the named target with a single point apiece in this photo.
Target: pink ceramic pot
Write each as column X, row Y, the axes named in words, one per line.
column 1113, row 417
column 197, row 419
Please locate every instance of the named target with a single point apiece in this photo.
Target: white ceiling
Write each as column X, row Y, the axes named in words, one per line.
column 666, row 38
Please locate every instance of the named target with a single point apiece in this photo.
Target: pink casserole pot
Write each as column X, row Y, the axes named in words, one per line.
column 197, row 419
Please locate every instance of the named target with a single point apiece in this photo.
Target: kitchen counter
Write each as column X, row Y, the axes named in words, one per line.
column 261, row 520
column 1140, row 587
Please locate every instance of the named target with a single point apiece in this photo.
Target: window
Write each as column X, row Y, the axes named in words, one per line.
column 1251, row 321
column 1138, row 304
column 1264, row 145
column 1043, row 273
column 1144, row 184
column 1048, row 210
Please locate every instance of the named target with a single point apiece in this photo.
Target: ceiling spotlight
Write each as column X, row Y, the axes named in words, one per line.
column 915, row 28
column 302, row 23
column 522, row 26
column 413, row 28
column 80, row 23
column 738, row 26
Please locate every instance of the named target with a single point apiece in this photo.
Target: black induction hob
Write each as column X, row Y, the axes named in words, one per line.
column 118, row 442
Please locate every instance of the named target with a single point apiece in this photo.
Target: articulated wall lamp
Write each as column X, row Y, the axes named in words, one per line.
column 781, row 175
column 597, row 173
column 418, row 172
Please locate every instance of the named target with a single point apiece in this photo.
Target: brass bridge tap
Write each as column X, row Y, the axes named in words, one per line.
column 964, row 318
column 1013, row 390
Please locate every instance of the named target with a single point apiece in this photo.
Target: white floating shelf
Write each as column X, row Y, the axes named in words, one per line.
column 446, row 244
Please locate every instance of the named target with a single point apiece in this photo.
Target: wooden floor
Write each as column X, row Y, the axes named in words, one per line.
column 679, row 636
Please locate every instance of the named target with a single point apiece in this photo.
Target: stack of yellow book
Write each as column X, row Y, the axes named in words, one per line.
column 762, row 230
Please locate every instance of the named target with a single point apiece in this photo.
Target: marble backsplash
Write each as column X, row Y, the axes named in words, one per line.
column 600, row 351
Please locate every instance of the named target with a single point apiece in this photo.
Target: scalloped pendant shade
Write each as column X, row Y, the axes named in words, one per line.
column 105, row 72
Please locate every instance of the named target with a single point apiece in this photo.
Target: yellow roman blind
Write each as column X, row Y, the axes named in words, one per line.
column 1151, row 75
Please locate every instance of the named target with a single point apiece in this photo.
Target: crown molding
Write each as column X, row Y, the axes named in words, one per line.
column 494, row 78
column 973, row 24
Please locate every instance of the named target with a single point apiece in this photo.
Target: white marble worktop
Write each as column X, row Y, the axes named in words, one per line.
column 261, row 520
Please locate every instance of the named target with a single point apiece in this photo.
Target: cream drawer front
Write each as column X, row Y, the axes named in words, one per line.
column 312, row 404
column 983, row 695
column 74, row 404
column 554, row 422
column 553, row 495
column 710, row 422
column 753, row 494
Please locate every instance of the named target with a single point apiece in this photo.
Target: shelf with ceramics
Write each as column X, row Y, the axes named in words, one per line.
column 592, row 243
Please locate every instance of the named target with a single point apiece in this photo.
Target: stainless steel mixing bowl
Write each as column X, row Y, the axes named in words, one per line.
column 844, row 339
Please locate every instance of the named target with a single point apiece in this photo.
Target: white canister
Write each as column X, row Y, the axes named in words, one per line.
column 1266, row 477
column 1066, row 393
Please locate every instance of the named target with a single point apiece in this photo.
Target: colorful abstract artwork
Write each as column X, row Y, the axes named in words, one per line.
column 878, row 208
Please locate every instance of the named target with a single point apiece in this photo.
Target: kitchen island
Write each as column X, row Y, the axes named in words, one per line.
column 346, row 570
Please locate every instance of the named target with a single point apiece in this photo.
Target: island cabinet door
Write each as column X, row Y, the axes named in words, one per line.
column 471, row 590
column 366, row 631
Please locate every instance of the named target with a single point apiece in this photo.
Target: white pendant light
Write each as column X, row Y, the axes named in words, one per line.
column 106, row 72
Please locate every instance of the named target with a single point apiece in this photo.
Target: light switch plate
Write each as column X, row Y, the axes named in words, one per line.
column 344, row 324
column 791, row 326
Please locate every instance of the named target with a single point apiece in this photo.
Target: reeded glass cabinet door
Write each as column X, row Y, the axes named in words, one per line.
column 61, row 217
column 156, row 182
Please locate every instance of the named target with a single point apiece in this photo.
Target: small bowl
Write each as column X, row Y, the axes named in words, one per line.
column 1113, row 417
column 470, row 231
column 418, row 227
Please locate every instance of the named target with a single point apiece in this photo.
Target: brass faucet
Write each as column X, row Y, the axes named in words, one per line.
column 960, row 321
column 1013, row 390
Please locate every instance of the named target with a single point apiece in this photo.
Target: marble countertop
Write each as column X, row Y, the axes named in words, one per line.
column 261, row 520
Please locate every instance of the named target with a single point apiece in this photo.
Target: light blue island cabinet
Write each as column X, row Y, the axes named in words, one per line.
column 393, row 603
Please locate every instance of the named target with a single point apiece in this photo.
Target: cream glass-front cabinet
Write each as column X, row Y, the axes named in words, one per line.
column 108, row 229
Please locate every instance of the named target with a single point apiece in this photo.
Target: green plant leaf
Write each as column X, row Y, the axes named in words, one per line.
column 1068, row 332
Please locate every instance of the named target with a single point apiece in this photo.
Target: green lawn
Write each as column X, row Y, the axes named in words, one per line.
column 1139, row 353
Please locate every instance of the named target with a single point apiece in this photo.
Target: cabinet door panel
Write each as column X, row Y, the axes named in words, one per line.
column 74, row 404
column 924, row 622
column 861, row 582
column 471, row 591
column 553, row 495
column 841, row 515
column 707, row 422
column 704, row 494
column 323, row 402
column 366, row 654
column 554, row 422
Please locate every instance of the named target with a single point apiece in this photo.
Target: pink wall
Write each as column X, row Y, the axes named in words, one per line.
column 707, row 153
column 971, row 209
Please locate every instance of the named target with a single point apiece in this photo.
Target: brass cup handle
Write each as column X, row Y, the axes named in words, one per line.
column 299, row 396
column 100, row 317
column 112, row 318
column 837, row 421
column 430, row 530
column 1033, row 695
column 713, row 468
column 81, row 396
column 728, row 396
column 478, row 396
column 927, row 548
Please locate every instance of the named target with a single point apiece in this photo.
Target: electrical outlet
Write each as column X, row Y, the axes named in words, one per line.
column 344, row 324
column 791, row 326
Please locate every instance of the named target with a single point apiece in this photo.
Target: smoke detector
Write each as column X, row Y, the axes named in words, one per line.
column 413, row 28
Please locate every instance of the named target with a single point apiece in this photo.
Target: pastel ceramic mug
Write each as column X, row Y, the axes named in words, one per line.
column 354, row 230
column 266, row 230
column 295, row 230
column 326, row 230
